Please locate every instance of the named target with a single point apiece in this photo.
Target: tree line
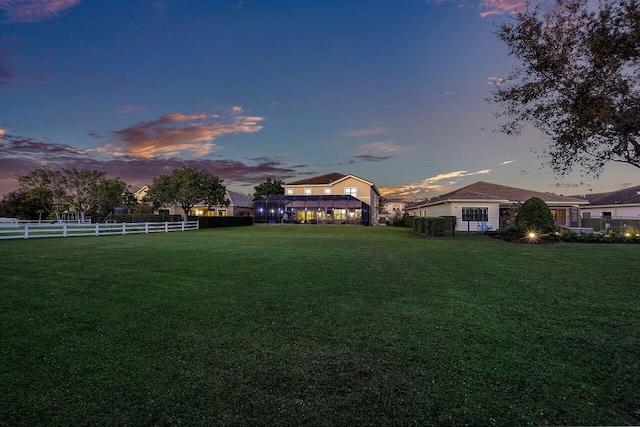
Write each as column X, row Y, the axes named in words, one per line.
column 45, row 193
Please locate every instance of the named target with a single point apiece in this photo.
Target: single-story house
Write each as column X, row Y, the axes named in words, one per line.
column 487, row 206
column 334, row 198
column 623, row 203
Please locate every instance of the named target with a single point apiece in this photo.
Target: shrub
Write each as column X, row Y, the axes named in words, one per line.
column 431, row 226
column 407, row 220
column 534, row 215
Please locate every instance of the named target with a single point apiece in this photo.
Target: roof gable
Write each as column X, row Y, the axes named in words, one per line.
column 239, row 200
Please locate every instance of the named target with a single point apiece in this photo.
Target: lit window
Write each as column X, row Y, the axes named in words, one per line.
column 327, row 191
column 289, row 191
column 307, row 191
column 475, row 214
column 351, row 191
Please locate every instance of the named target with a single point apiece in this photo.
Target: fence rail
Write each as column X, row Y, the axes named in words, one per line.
column 20, row 230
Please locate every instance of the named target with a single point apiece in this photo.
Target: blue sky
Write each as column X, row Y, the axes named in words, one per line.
column 392, row 91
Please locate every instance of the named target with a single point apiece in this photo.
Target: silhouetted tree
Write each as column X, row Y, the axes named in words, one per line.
column 578, row 82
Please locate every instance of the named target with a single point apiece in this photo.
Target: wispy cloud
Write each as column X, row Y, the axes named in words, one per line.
column 95, row 135
column 35, row 10
column 366, row 132
column 422, row 189
column 507, row 162
column 177, row 133
column 383, row 147
column 495, row 81
column 128, row 109
column 499, row 7
column 370, row 158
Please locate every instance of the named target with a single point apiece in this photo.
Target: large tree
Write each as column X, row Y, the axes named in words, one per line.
column 578, row 81
column 187, row 187
column 41, row 186
column 268, row 188
column 78, row 190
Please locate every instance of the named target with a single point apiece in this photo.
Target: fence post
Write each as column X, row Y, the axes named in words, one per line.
column 166, row 227
column 26, row 231
column 97, row 229
column 124, row 228
column 182, row 225
column 64, row 230
column 146, row 227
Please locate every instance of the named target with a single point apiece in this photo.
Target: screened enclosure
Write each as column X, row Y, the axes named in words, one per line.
column 325, row 209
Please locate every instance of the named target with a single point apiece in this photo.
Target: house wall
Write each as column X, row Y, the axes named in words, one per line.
column 455, row 209
column 626, row 211
column 364, row 192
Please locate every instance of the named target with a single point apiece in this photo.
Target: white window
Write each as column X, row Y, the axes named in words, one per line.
column 351, row 191
column 327, row 191
column 307, row 191
column 290, row 191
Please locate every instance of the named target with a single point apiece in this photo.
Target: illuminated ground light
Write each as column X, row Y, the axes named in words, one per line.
column 532, row 236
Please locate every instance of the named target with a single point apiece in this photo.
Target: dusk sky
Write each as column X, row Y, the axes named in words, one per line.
column 391, row 91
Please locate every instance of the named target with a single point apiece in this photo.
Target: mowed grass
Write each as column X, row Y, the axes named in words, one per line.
column 317, row 326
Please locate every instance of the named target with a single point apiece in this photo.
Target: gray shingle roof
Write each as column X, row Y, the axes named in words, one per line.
column 625, row 196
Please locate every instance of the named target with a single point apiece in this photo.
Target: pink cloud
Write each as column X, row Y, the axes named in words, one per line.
column 499, row 7
column 128, row 109
column 35, row 10
column 173, row 133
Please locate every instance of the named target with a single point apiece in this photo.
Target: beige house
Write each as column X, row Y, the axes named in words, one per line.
column 333, row 198
column 392, row 209
column 239, row 205
column 485, row 206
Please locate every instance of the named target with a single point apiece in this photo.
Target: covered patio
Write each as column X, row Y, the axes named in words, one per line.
column 312, row 209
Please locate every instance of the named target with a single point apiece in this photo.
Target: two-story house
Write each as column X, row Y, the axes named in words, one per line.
column 334, row 198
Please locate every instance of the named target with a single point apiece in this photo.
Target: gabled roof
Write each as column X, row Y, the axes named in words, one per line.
column 239, row 200
column 488, row 192
column 625, row 196
column 331, row 179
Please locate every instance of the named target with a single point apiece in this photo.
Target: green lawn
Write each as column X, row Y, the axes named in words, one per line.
column 318, row 326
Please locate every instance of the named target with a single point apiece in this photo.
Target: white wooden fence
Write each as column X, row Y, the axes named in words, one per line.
column 26, row 230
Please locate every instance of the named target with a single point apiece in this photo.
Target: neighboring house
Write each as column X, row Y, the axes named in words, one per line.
column 333, row 198
column 139, row 195
column 392, row 209
column 239, row 205
column 615, row 204
column 490, row 206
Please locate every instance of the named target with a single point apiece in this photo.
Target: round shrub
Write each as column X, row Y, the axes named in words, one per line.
column 534, row 215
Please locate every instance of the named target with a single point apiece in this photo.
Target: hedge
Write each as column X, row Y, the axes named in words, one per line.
column 429, row 225
column 222, row 221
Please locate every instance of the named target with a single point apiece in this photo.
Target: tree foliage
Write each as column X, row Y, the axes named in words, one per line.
column 578, row 82
column 80, row 191
column 187, row 187
column 268, row 188
column 18, row 204
column 534, row 215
